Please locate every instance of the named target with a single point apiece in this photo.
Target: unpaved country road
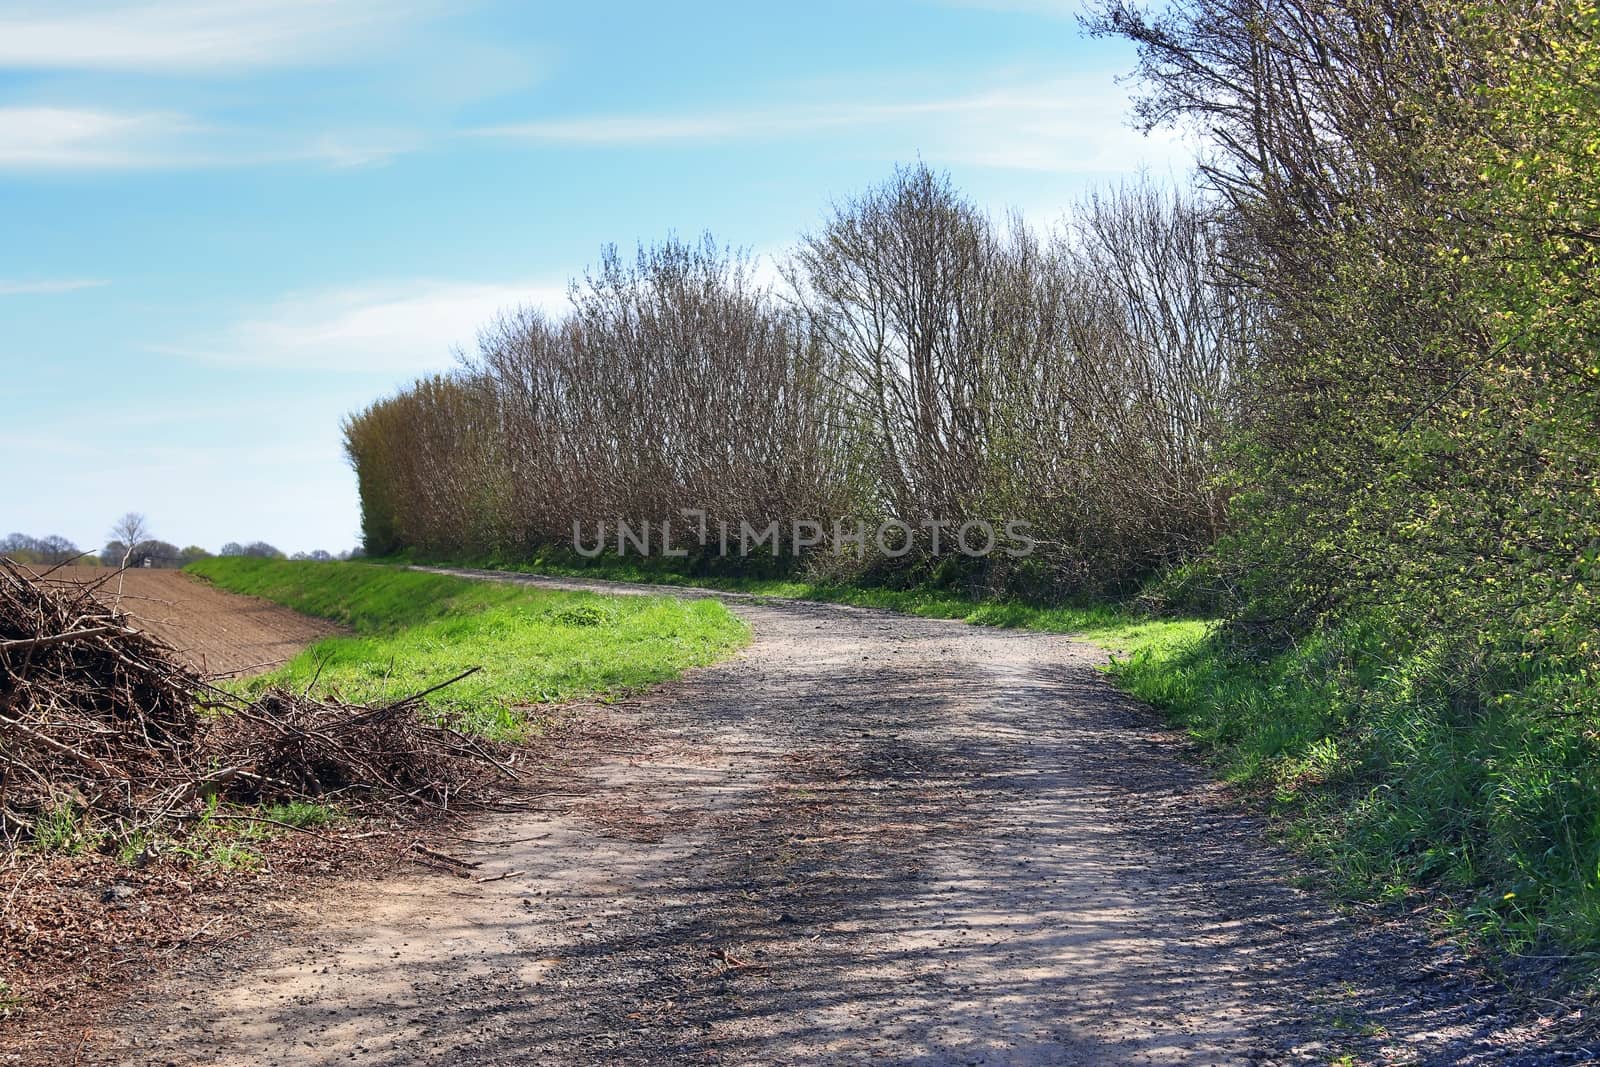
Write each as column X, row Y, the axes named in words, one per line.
column 870, row 838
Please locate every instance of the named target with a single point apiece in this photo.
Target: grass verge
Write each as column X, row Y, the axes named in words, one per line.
column 1384, row 762
column 534, row 646
column 1113, row 627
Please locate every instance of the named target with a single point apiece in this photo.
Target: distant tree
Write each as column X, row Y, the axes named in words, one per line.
column 147, row 553
column 33, row 550
column 57, row 549
column 192, row 553
column 131, row 529
column 321, row 556
column 260, row 550
column 232, row 548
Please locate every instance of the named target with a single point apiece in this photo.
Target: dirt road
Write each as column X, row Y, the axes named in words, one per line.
column 869, row 838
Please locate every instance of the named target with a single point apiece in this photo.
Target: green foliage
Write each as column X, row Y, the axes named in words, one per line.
column 1387, row 764
column 62, row 830
column 226, row 837
column 300, row 813
column 414, row 630
column 1410, row 666
column 582, row 615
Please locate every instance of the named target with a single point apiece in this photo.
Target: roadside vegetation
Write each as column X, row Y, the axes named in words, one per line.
column 531, row 646
column 1121, row 628
column 1340, row 394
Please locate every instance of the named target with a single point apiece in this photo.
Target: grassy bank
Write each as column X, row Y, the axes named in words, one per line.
column 1406, row 780
column 535, row 646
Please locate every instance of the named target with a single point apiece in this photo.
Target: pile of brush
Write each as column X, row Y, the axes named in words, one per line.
column 100, row 716
column 284, row 746
column 92, row 711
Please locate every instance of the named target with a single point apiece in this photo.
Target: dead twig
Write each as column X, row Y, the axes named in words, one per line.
column 420, row 848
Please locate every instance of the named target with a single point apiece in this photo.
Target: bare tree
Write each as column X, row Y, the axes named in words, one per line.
column 928, row 363
column 131, row 529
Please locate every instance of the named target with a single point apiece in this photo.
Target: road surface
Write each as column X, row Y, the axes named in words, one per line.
column 868, row 838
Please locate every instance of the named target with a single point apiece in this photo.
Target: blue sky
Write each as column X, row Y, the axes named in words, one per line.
column 226, row 223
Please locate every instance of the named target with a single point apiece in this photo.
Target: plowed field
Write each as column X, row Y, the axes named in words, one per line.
column 218, row 633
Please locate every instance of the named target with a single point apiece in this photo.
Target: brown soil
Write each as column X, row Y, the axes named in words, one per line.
column 217, row 632
column 869, row 838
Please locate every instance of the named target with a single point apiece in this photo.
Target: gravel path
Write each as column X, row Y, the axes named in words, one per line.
column 868, row 838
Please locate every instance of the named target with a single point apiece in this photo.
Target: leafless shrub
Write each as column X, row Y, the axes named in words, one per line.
column 922, row 362
column 1078, row 382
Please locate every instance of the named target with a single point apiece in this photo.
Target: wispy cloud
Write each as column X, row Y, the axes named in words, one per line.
column 402, row 328
column 79, row 137
column 180, row 36
column 60, row 138
column 62, row 285
column 1075, row 124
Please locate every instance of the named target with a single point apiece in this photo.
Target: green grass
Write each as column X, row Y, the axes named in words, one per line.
column 228, row 837
column 302, row 814
column 1404, row 781
column 534, row 646
column 1113, row 627
column 63, row 830
column 10, row 1003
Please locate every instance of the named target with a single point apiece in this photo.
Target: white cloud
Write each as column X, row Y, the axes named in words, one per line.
column 61, row 285
column 181, row 36
column 704, row 127
column 76, row 137
column 1078, row 125
column 340, row 150
column 400, row 328
column 60, row 138
column 1073, row 124
column 638, row 129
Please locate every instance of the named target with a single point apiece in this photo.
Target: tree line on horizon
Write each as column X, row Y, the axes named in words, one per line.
column 130, row 544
